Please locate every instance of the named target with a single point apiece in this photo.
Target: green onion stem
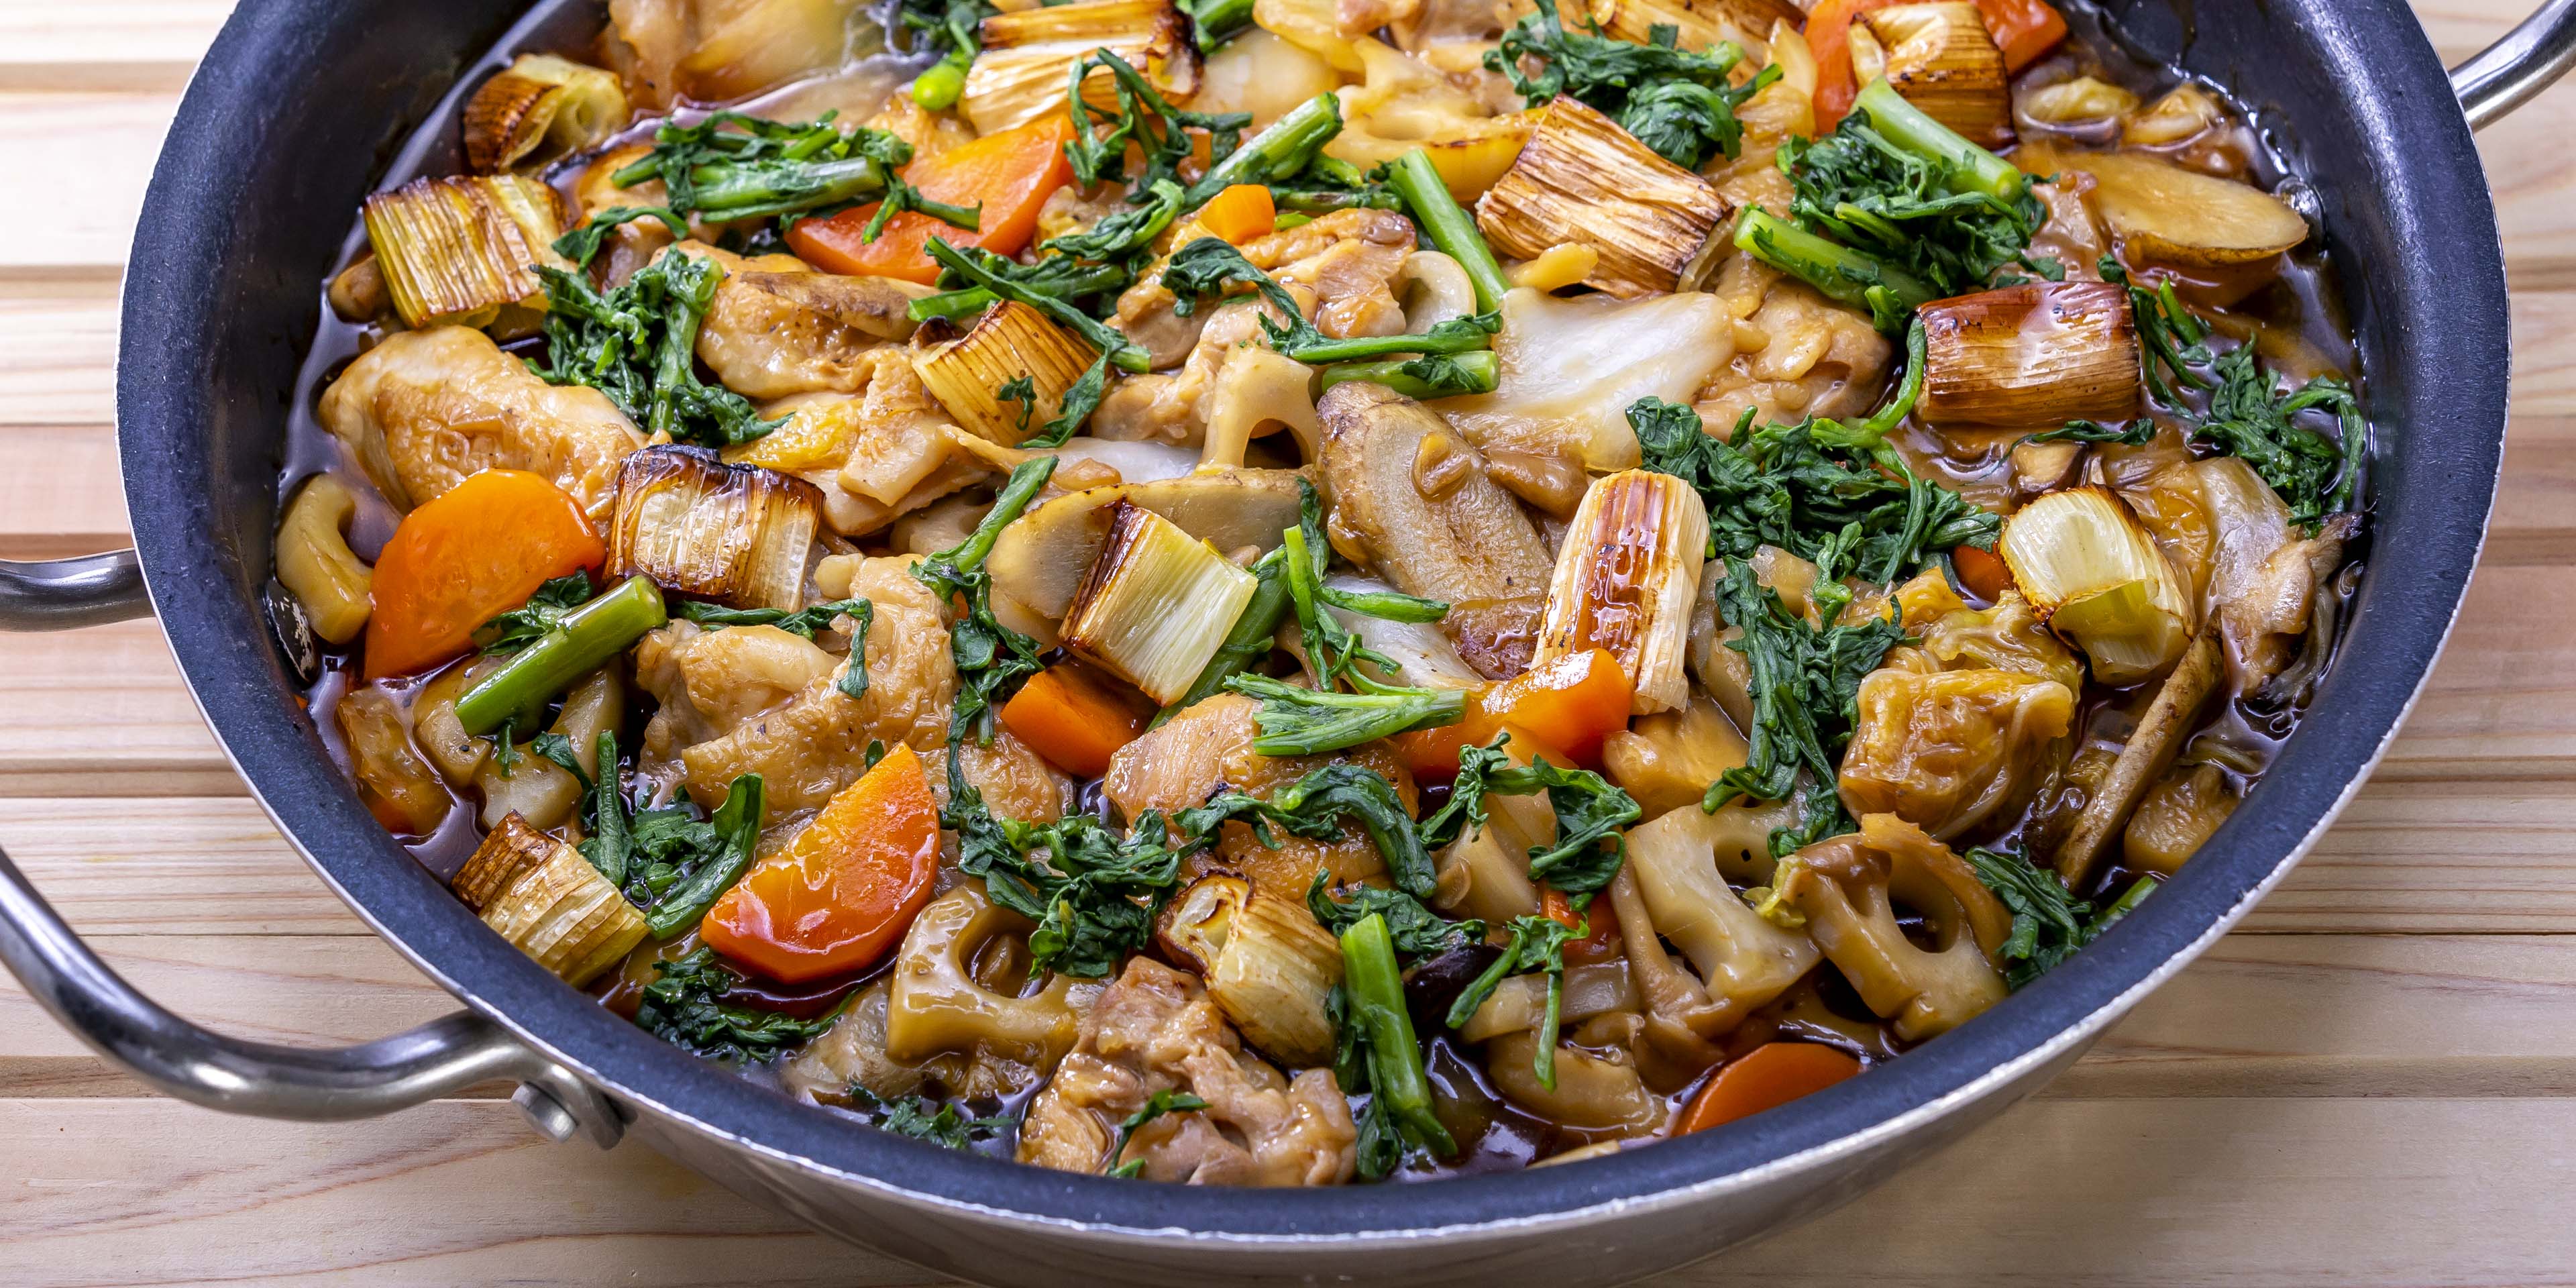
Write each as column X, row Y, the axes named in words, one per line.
column 1374, row 993
column 1426, row 194
column 1908, row 127
column 1274, row 154
column 588, row 636
column 1481, row 365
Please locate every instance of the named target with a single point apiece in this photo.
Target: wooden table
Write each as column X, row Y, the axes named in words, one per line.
column 2368, row 1084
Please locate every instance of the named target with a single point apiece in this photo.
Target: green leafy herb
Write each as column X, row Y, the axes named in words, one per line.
column 1438, row 375
column 1677, row 102
column 1296, row 721
column 1586, row 854
column 992, row 659
column 1916, row 212
column 901, row 196
column 582, row 244
column 609, row 847
column 684, row 1006
column 922, row 1118
column 735, row 827
column 2249, row 418
column 637, row 344
column 1143, row 118
column 1080, row 400
column 1163, row 1102
column 505, row 747
column 1287, row 151
column 734, row 166
column 1021, row 390
column 1126, row 232
column 558, row 748
column 1806, row 694
column 2137, row 433
column 2048, row 922
column 529, row 622
column 1079, row 285
column 2171, row 341
column 1417, row 930
column 974, row 270
column 804, row 621
column 1827, row 492
column 1537, row 944
column 1207, row 266
column 1378, row 1055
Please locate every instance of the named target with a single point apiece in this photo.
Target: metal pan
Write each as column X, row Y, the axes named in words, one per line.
column 288, row 123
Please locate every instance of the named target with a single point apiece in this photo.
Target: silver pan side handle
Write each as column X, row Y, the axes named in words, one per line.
column 2530, row 58
column 265, row 1080
column 62, row 594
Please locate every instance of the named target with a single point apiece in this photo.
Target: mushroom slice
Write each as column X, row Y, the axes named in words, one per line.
column 1848, row 886
column 1039, row 562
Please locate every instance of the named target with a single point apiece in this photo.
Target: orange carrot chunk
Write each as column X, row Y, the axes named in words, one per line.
column 845, row 889
column 1240, row 213
column 1073, row 718
column 1773, row 1075
column 1011, row 174
column 468, row 555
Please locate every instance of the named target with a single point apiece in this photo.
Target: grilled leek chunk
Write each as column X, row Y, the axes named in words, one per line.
column 465, row 250
column 2042, row 353
column 1941, row 58
column 2090, row 570
column 737, row 534
column 1584, row 180
column 1625, row 580
column 1010, row 342
column 549, row 902
column 538, row 108
column 1268, row 965
column 1157, row 603
column 1028, row 56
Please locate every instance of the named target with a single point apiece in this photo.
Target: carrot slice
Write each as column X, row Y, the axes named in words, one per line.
column 1599, row 921
column 845, row 890
column 2024, row 29
column 1011, row 173
column 1981, row 571
column 1240, row 213
column 1570, row 702
column 470, row 554
column 1073, row 718
column 1829, row 38
column 1773, row 1075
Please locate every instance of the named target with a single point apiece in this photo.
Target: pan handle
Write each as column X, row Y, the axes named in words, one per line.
column 264, row 1080
column 61, row 594
column 2528, row 60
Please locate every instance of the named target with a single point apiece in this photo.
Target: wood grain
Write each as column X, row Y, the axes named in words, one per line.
column 2327, row 1191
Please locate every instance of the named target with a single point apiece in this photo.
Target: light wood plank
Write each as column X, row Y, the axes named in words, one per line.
column 118, row 44
column 96, row 151
column 58, row 349
column 169, row 866
column 101, row 711
column 2324, row 1191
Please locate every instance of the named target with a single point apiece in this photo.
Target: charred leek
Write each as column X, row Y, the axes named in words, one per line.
column 1156, row 605
column 465, row 251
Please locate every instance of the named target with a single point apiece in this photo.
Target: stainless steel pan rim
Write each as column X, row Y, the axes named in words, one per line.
column 191, row 402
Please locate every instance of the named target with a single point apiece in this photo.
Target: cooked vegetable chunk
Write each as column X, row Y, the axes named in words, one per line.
column 1848, row 888
column 2039, row 354
column 736, row 534
column 424, row 409
column 1582, row 179
column 547, row 900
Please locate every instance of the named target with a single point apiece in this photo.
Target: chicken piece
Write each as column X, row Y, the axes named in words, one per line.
column 1208, row 748
column 1016, row 782
column 777, row 327
column 877, row 456
column 1797, row 354
column 423, row 409
column 1173, row 406
column 725, row 710
column 1346, row 262
column 637, row 241
column 1156, row 1030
